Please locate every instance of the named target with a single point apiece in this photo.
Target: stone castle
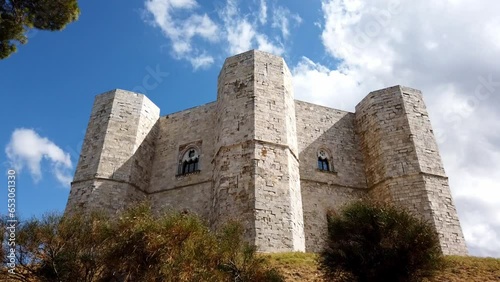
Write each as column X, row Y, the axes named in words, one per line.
column 258, row 156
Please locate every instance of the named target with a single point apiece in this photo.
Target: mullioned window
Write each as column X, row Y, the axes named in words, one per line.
column 324, row 161
column 189, row 162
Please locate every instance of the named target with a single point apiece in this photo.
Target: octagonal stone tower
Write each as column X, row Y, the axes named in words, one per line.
column 115, row 160
column 256, row 168
column 402, row 161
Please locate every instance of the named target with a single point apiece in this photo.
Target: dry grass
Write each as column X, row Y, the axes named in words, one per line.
column 469, row 269
column 296, row 266
column 303, row 267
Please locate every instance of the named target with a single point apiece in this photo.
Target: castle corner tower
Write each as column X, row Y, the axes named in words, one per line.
column 115, row 159
column 256, row 167
column 402, row 161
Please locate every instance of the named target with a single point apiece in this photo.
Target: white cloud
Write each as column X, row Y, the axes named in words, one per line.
column 281, row 20
column 483, row 221
column 202, row 61
column 200, row 25
column 448, row 49
column 242, row 34
column 183, row 3
column 340, row 88
column 229, row 30
column 27, row 149
column 263, row 12
column 180, row 28
column 265, row 45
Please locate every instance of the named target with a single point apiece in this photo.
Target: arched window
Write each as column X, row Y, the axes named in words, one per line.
column 189, row 162
column 323, row 160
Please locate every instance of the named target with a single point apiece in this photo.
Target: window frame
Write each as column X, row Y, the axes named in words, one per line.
column 189, row 161
column 324, row 160
column 323, row 164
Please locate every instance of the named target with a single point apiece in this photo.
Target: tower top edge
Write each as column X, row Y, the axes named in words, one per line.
column 118, row 90
column 253, row 52
column 251, row 55
column 130, row 94
column 396, row 88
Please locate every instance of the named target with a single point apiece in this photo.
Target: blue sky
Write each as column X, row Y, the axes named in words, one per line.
column 338, row 51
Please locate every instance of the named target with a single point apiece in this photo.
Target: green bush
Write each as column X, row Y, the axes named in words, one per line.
column 171, row 247
column 54, row 248
column 377, row 242
column 136, row 246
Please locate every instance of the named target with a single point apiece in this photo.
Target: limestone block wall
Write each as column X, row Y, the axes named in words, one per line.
column 422, row 136
column 233, row 187
column 277, row 185
column 401, row 160
column 385, row 136
column 120, row 126
column 195, row 198
column 176, row 132
column 296, row 211
column 122, row 136
column 320, row 127
column 317, row 199
column 445, row 216
column 255, row 115
column 235, row 117
column 325, row 128
column 233, row 163
column 144, row 146
column 103, row 194
column 275, row 120
column 278, row 202
column 94, row 137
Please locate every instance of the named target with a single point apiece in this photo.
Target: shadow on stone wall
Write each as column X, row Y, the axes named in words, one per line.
column 329, row 190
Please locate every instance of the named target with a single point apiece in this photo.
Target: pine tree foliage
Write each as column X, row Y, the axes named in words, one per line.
column 17, row 17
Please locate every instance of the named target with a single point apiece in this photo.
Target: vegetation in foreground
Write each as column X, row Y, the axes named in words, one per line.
column 297, row 267
column 138, row 246
column 369, row 241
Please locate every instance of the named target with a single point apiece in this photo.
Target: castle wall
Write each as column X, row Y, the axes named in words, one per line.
column 106, row 176
column 279, row 217
column 445, row 216
column 278, row 200
column 234, row 187
column 255, row 173
column 193, row 198
column 103, row 194
column 234, row 166
column 141, row 163
column 176, row 132
column 90, row 154
column 331, row 129
column 317, row 199
column 318, row 128
column 258, row 157
column 402, row 163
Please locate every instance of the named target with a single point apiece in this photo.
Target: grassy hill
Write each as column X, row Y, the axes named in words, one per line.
column 303, row 267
